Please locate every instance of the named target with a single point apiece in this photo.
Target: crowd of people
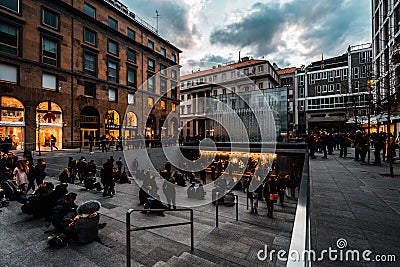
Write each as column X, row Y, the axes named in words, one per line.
column 24, row 181
column 384, row 145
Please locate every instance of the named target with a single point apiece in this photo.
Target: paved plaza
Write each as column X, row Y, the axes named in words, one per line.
column 24, row 243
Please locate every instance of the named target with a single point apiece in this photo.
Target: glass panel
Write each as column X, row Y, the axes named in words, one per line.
column 10, row 4
column 89, row 10
column 49, row 81
column 50, row 18
column 8, row 73
column 90, row 37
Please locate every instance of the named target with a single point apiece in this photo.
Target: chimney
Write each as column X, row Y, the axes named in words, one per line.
column 219, row 65
column 245, row 59
column 275, row 66
column 214, row 67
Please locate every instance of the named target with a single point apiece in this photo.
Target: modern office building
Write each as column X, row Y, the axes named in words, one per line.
column 386, row 59
column 332, row 91
column 287, row 78
column 224, row 83
column 72, row 68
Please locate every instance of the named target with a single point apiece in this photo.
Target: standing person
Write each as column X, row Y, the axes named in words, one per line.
column 107, row 178
column 119, row 164
column 390, row 147
column 311, row 144
column 135, row 166
column 31, row 176
column 82, row 168
column 21, row 175
column 269, row 195
column 92, row 168
column 203, row 175
column 168, row 168
column 357, row 147
column 91, row 143
column 53, row 141
column 104, row 143
column 170, row 192
column 323, row 142
column 40, row 171
column 363, row 147
column 330, row 143
column 378, row 145
column 343, row 145
column 281, row 187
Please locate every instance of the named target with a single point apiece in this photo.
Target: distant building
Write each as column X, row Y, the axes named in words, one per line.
column 71, row 68
column 287, row 78
column 386, row 59
column 223, row 83
column 331, row 91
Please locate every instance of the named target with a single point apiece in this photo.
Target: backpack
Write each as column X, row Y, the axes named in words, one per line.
column 58, row 241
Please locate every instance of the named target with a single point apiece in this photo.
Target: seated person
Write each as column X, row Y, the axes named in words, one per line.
column 200, row 193
column 64, row 176
column 64, row 212
column 179, row 179
column 85, row 226
column 90, row 182
column 220, row 188
column 191, row 191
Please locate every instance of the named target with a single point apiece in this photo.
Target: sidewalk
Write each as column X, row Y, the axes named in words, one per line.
column 355, row 202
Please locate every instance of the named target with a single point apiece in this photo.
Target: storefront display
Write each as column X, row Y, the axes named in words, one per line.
column 48, row 122
column 12, row 121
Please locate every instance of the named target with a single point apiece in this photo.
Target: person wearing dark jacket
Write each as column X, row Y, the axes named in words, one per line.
column 281, row 187
column 64, row 176
column 85, row 226
column 52, row 198
column 270, row 190
column 82, row 168
column 170, row 192
column 31, row 176
column 40, row 171
column 107, row 178
column 64, row 212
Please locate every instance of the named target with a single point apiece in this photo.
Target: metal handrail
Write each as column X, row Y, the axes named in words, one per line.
column 301, row 240
column 129, row 230
column 216, row 208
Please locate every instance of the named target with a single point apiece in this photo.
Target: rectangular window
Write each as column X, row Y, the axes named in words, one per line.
column 131, row 55
column 49, row 51
column 163, row 105
column 151, row 87
column 112, row 23
column 174, row 90
column 150, row 102
column 150, row 44
column 131, row 34
column 214, row 78
column 338, row 88
column 11, row 4
column 318, row 90
column 49, row 81
column 301, row 80
column 131, row 77
column 112, row 47
column 223, row 76
column 215, row 92
column 318, row 76
column 112, row 71
column 331, row 88
column 163, row 52
column 50, row 19
column 355, row 73
column 8, row 73
column 224, row 91
column 232, row 74
column 163, row 86
column 89, row 63
column 163, row 69
column 189, row 111
column 324, row 88
column 182, row 97
column 90, row 89
column 112, row 95
column 260, row 68
column 174, row 74
column 344, row 74
column 89, row 10
column 337, row 73
column 89, row 36
column 260, row 85
column 8, row 38
column 173, row 57
column 173, row 106
column 151, row 65
column 189, row 96
column 356, row 86
column 324, row 76
column 330, row 76
column 131, row 99
column 246, row 71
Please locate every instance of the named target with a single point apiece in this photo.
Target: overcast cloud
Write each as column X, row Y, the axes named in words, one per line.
column 288, row 32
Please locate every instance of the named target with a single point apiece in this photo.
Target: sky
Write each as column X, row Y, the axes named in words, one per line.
column 285, row 32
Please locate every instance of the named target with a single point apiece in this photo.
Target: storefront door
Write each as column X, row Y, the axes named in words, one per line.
column 85, row 133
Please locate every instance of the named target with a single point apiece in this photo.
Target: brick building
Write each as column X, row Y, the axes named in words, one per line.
column 72, row 68
column 287, row 78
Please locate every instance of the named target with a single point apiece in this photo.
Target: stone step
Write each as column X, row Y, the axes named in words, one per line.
column 193, row 260
column 174, row 261
column 160, row 264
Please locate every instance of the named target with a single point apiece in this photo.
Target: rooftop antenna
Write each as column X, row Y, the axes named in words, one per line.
column 239, row 55
column 157, row 17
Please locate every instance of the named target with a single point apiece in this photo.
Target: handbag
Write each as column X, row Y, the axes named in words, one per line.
column 273, row 197
column 58, row 241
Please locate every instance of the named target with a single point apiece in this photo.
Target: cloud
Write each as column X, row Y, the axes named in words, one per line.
column 207, row 62
column 317, row 26
column 176, row 22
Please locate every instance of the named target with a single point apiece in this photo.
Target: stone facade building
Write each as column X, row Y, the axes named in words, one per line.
column 331, row 91
column 71, row 68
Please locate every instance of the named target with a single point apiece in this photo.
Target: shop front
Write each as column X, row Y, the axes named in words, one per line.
column 150, row 130
column 112, row 124
column 49, row 123
column 130, row 126
column 90, row 125
column 12, row 121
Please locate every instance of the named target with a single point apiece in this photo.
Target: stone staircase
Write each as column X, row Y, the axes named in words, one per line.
column 186, row 259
